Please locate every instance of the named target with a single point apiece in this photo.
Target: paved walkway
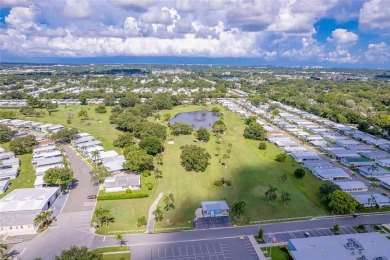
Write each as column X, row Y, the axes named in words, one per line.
column 151, row 221
column 256, row 246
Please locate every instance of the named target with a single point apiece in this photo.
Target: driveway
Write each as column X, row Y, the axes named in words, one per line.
column 72, row 226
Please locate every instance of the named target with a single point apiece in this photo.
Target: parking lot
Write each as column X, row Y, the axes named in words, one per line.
column 285, row 236
column 223, row 249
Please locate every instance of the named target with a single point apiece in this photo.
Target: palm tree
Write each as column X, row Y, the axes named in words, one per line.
column 373, row 168
column 83, row 149
column 373, row 200
column 104, row 216
column 285, row 197
column 271, row 193
column 43, row 219
column 3, row 248
column 157, row 173
column 158, row 214
column 336, row 229
column 120, row 238
column 95, row 156
column 169, row 202
column 239, row 208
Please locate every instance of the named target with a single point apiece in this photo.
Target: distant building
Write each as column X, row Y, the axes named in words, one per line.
column 346, row 247
column 351, row 185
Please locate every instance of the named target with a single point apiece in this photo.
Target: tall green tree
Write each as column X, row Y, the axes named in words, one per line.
column 6, row 133
column 219, row 127
column 342, row 202
column 58, row 176
column 137, row 159
column 65, row 135
column 120, row 238
column 82, row 253
column 202, row 134
column 124, row 140
column 3, row 248
column 194, row 158
column 179, row 128
column 23, row 145
column 152, row 145
column 104, row 216
column 255, row 131
column 83, row 114
column 43, row 218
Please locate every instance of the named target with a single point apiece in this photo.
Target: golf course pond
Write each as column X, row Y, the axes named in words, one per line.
column 196, row 119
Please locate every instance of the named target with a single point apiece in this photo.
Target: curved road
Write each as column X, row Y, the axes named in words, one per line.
column 72, row 226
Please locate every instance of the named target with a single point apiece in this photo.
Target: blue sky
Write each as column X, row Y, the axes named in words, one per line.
column 331, row 33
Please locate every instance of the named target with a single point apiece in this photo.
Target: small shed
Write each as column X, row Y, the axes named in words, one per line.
column 214, row 208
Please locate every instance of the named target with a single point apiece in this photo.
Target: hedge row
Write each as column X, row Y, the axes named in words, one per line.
column 121, row 196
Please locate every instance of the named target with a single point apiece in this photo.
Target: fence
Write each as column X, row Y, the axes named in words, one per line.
column 171, row 229
column 127, row 231
column 281, row 220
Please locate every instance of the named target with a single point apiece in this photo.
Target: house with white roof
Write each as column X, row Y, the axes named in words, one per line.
column 19, row 208
column 351, row 185
column 383, row 162
column 370, row 172
column 4, row 186
column 384, row 181
column 356, row 162
column 122, row 183
column 330, row 174
column 114, row 164
column 371, row 199
column 305, row 156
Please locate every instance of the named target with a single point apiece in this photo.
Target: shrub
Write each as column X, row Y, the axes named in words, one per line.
column 218, row 183
column 149, row 186
column 128, row 191
column 229, row 183
column 141, row 221
column 299, row 173
column 146, row 173
column 121, row 196
column 282, row 157
column 263, row 146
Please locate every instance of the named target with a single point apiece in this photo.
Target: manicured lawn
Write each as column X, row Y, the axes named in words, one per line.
column 250, row 170
column 26, row 176
column 114, row 256
column 278, row 254
column 98, row 125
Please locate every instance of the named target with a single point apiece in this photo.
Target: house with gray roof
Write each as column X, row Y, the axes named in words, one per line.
column 84, row 139
column 384, row 181
column 330, row 174
column 6, row 155
column 343, row 153
column 114, row 164
column 49, row 161
column 317, row 164
column 88, row 144
column 376, row 154
column 122, row 183
column 371, row 199
column 305, row 156
column 370, row 172
column 9, row 163
column 44, row 149
column 19, row 208
column 356, row 162
column 383, row 162
column 371, row 246
column 351, row 185
column 9, row 173
column 4, row 186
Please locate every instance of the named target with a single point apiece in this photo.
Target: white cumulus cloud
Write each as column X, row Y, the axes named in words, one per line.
column 375, row 15
column 77, row 9
column 343, row 36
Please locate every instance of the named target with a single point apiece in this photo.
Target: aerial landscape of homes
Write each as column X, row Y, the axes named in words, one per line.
column 194, row 130
column 113, row 166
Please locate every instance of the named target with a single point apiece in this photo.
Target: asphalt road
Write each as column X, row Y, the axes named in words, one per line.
column 72, row 226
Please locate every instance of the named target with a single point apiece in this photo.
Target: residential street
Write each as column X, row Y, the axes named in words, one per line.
column 72, row 226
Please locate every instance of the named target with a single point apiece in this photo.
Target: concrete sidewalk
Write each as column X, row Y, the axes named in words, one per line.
column 256, row 246
column 151, row 220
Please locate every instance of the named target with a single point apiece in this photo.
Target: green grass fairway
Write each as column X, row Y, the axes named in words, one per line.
column 26, row 176
column 250, row 170
column 98, row 125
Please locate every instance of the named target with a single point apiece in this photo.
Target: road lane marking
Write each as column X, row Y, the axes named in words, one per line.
column 21, row 253
column 104, row 238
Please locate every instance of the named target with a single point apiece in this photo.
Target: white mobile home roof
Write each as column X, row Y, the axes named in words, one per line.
column 84, row 139
column 49, row 161
column 372, row 245
column 363, row 197
column 122, row 181
column 318, row 164
column 41, row 170
column 348, row 185
column 9, row 173
column 306, row 155
column 295, row 149
column 331, row 173
column 26, row 199
column 43, row 149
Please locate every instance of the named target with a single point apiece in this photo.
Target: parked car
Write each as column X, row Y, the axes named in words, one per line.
column 91, row 197
column 355, row 215
column 306, row 234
